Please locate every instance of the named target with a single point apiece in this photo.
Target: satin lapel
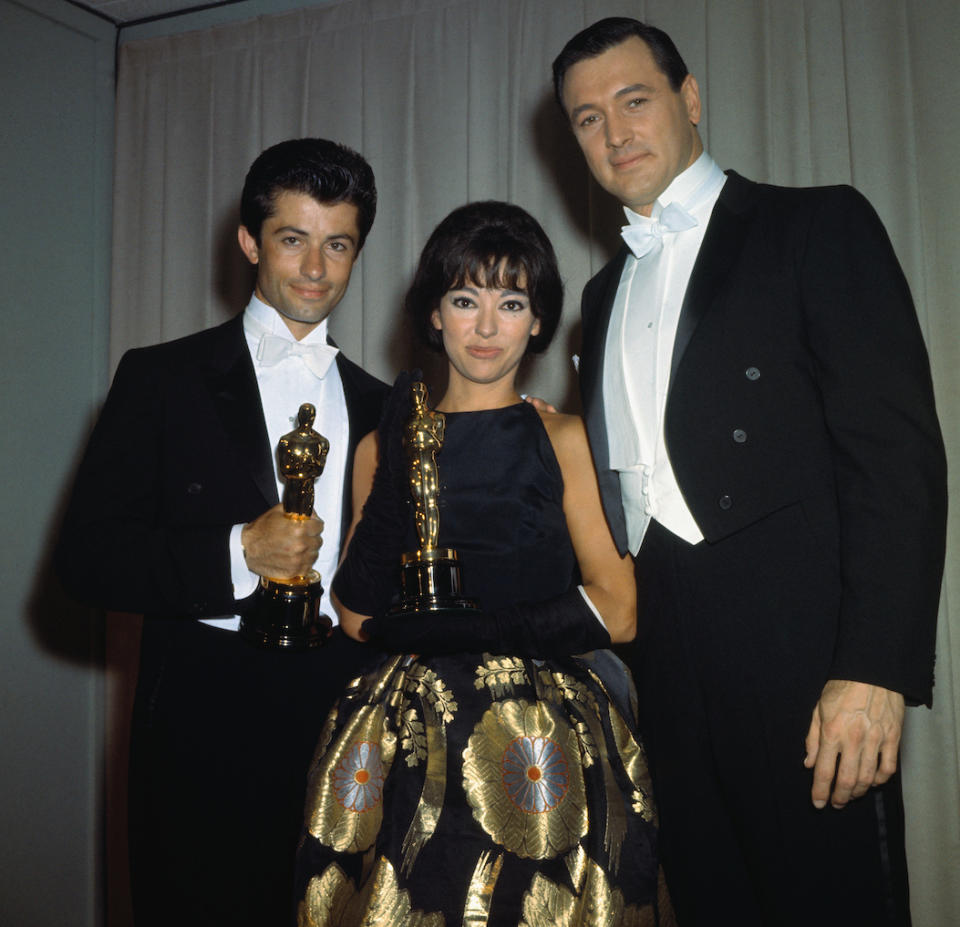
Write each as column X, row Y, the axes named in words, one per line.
column 596, row 320
column 721, row 245
column 233, row 386
column 351, row 396
column 364, row 398
column 595, row 337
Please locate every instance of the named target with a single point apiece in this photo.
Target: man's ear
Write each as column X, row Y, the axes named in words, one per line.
column 690, row 91
column 248, row 245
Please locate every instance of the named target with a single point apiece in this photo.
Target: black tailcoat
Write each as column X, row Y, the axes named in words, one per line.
column 222, row 732
column 800, row 425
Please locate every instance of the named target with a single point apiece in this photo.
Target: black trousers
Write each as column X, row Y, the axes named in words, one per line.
column 222, row 738
column 733, row 649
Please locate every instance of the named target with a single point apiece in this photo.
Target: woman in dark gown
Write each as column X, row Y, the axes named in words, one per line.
column 480, row 773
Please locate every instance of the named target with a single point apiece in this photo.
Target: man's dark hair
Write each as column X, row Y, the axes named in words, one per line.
column 329, row 172
column 487, row 244
column 608, row 33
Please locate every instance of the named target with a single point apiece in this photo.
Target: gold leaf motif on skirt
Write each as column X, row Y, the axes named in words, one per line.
column 423, row 681
column 635, row 762
column 500, row 675
column 412, row 736
column 598, row 904
column 588, row 745
column 332, row 900
column 567, row 687
column 476, row 910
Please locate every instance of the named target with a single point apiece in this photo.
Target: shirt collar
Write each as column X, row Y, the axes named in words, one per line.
column 689, row 189
column 267, row 320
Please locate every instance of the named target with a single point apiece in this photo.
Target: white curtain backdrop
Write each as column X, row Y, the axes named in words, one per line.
column 450, row 101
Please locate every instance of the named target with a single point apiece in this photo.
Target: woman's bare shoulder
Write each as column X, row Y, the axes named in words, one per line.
column 566, row 432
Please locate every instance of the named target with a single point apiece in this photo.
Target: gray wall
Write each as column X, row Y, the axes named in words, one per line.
column 56, row 140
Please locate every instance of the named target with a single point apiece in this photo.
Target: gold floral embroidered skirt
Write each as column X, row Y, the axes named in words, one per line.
column 482, row 790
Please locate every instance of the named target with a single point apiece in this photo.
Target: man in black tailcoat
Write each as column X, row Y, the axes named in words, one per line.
column 760, row 409
column 175, row 515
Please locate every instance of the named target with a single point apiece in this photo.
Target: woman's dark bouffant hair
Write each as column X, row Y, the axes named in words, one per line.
column 488, row 244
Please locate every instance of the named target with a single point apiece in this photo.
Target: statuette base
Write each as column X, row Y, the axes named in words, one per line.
column 430, row 581
column 288, row 616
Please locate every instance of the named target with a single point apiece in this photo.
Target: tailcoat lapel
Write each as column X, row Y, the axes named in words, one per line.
column 597, row 307
column 721, row 244
column 233, row 388
column 595, row 323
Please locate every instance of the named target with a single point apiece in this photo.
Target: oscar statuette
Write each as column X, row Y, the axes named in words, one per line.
column 430, row 577
column 286, row 612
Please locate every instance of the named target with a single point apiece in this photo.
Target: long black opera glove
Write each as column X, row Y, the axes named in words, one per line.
column 370, row 573
column 557, row 627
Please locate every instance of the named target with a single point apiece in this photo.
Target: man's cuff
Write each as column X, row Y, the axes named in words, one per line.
column 244, row 580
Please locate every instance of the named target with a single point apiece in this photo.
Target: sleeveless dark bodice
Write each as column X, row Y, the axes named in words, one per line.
column 501, row 506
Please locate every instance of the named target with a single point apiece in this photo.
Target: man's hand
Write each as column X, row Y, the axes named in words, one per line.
column 541, row 405
column 861, row 725
column 279, row 547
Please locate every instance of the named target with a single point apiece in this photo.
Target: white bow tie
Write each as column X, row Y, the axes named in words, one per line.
column 318, row 357
column 644, row 238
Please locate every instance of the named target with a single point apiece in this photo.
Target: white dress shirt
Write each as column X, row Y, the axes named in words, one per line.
column 284, row 386
column 639, row 349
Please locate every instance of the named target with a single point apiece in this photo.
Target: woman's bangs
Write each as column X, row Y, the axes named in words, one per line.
column 489, row 270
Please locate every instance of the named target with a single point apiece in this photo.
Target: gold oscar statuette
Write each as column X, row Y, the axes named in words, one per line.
column 430, row 577
column 286, row 613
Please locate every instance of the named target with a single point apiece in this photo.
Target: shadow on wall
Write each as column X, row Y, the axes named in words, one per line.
column 570, row 402
column 407, row 352
column 234, row 276
column 83, row 636
column 110, row 643
column 61, row 626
